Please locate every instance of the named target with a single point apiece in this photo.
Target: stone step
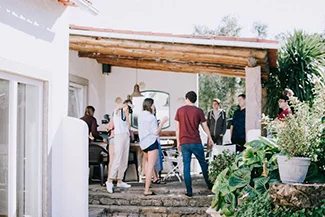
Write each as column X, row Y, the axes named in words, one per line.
column 166, row 200
column 168, row 188
column 136, row 211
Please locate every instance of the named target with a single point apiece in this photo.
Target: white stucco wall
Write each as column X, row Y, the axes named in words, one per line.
column 92, row 71
column 122, row 80
column 34, row 43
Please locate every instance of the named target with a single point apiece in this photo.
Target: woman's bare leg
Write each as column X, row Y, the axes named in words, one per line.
column 152, row 157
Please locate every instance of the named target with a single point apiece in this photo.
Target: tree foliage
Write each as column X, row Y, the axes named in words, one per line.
column 260, row 29
column 301, row 57
column 213, row 86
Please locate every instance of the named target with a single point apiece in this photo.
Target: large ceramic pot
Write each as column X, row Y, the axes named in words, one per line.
column 293, row 170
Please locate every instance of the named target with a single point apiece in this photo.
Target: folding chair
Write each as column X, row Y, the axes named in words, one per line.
column 174, row 162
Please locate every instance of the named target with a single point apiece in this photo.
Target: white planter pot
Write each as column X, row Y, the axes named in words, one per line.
column 293, row 170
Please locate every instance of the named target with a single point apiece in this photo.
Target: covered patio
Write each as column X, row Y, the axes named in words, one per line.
column 247, row 58
column 158, row 52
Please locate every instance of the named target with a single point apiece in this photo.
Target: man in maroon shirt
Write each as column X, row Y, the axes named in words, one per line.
column 188, row 119
column 284, row 105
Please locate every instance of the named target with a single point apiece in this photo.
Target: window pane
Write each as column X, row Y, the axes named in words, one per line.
column 29, row 183
column 4, row 130
column 75, row 101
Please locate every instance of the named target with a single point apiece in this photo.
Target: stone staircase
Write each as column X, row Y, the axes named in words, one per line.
column 170, row 201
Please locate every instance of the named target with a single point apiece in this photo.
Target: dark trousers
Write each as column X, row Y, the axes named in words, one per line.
column 217, row 140
column 239, row 144
column 198, row 151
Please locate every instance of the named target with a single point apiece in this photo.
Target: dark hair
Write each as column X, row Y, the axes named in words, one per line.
column 191, row 95
column 284, row 97
column 147, row 103
column 286, row 91
column 217, row 101
column 89, row 110
column 126, row 102
column 242, row 96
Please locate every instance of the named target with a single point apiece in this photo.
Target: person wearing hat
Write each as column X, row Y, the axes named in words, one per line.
column 217, row 122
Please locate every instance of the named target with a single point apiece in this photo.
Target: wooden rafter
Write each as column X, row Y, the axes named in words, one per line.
column 189, row 58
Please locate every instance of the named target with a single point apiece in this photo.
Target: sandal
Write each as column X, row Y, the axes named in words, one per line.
column 149, row 194
column 158, row 181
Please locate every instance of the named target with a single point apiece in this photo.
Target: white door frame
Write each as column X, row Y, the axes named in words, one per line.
column 12, row 141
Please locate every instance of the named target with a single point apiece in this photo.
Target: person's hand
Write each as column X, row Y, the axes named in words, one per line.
column 210, row 144
column 221, row 134
column 179, row 148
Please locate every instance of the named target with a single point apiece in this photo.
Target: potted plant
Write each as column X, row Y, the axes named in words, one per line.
column 299, row 136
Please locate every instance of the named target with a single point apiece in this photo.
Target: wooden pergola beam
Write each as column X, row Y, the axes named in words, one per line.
column 169, row 47
column 162, row 54
column 173, row 66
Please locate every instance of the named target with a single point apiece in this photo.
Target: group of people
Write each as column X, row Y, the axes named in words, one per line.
column 217, row 123
column 119, row 141
column 188, row 120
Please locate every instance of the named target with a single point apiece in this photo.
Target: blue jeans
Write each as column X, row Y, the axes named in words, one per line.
column 198, row 151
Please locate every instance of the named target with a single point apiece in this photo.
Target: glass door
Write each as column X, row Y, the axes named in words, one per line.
column 21, row 118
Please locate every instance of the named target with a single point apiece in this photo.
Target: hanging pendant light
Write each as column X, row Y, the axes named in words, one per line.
column 136, row 88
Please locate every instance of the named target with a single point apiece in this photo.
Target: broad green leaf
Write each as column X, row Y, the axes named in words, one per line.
column 260, row 184
column 250, row 156
column 240, row 178
column 269, row 142
column 220, row 179
column 255, row 144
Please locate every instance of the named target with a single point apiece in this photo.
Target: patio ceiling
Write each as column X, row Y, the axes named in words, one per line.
column 226, row 56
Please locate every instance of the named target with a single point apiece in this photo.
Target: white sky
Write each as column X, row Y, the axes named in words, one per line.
column 179, row 16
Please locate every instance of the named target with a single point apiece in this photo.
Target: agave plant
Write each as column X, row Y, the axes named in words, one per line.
column 301, row 58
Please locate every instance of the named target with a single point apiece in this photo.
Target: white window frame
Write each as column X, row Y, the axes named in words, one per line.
column 80, row 83
column 12, row 141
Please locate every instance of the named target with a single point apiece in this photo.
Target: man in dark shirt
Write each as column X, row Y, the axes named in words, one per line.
column 188, row 119
column 238, row 125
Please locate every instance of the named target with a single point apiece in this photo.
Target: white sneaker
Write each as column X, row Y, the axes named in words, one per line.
column 123, row 185
column 109, row 187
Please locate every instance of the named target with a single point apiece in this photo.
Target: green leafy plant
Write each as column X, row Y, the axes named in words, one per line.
column 248, row 177
column 299, row 135
column 221, row 162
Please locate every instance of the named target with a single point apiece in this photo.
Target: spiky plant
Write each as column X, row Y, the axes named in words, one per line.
column 300, row 59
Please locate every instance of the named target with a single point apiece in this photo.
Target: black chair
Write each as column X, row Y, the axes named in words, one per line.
column 98, row 156
column 133, row 160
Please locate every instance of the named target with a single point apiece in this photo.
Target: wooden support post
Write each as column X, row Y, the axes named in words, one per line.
column 253, row 102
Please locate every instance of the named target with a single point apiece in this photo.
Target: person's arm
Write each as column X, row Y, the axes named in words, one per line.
column 127, row 116
column 161, row 125
column 231, row 128
column 94, row 131
column 232, row 124
column 207, row 131
column 121, row 106
column 224, row 123
column 177, row 136
column 209, row 119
